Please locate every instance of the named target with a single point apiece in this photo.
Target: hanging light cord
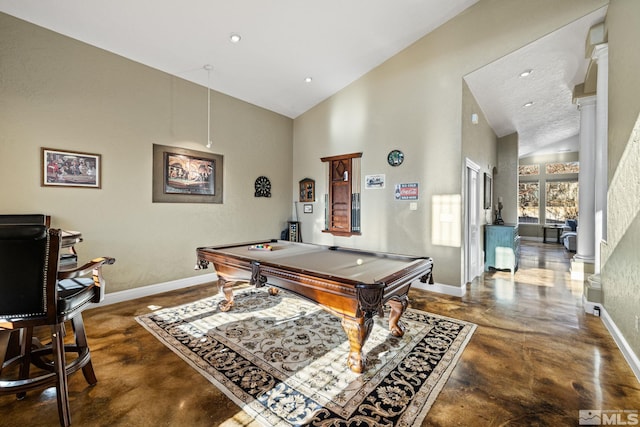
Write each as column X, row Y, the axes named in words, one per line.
column 208, row 68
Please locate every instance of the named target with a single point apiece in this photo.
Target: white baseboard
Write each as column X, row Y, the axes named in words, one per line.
column 590, row 306
column 456, row 291
column 631, row 358
column 129, row 294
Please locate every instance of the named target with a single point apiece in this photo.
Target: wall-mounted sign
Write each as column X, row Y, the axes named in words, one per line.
column 374, row 181
column 407, row 191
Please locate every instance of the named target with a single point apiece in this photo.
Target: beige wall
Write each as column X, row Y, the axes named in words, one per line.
column 506, row 185
column 624, row 63
column 480, row 145
column 59, row 93
column 620, row 262
column 413, row 102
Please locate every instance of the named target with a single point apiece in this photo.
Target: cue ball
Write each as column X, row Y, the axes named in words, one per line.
column 359, row 261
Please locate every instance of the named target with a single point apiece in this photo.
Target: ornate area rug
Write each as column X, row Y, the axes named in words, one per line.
column 283, row 359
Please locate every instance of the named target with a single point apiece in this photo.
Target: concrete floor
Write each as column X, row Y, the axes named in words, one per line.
column 536, row 359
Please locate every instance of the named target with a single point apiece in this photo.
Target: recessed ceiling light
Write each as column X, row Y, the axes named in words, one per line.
column 308, row 79
column 235, row 38
column 528, row 104
column 526, row 73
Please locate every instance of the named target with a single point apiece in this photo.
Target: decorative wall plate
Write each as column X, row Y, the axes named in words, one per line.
column 263, row 187
column 395, row 157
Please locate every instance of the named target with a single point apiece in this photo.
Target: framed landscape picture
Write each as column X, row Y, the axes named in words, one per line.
column 181, row 175
column 64, row 168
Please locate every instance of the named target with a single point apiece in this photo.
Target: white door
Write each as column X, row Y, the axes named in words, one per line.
column 472, row 214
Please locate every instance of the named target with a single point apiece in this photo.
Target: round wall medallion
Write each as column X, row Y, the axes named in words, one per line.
column 263, row 187
column 395, row 157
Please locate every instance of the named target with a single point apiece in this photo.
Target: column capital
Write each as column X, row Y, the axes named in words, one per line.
column 585, row 101
column 600, row 51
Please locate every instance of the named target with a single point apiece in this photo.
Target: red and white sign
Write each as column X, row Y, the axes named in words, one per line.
column 407, row 191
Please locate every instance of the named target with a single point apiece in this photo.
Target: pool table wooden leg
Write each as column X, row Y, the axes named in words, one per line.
column 398, row 307
column 357, row 331
column 225, row 288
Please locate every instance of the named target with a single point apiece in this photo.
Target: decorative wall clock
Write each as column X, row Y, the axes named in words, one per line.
column 395, row 157
column 263, row 187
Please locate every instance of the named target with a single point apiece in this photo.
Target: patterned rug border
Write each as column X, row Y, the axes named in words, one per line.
column 416, row 410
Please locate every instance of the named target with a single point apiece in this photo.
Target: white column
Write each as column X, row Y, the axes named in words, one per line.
column 586, row 181
column 601, row 56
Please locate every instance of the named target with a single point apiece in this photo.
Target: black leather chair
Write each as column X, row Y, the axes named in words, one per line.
column 35, row 293
column 25, row 219
column 9, row 344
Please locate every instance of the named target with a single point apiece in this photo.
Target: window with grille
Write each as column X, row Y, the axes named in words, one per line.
column 529, row 202
column 561, row 201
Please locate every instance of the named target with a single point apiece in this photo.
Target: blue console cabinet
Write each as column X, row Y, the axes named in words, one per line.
column 501, row 247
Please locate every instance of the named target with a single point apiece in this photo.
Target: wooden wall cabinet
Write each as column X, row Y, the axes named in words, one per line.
column 339, row 203
column 307, row 190
column 501, row 247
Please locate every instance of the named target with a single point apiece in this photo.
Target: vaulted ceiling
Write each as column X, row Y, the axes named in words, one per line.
column 333, row 43
column 539, row 105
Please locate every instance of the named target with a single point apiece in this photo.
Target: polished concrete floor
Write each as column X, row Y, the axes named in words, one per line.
column 536, row 359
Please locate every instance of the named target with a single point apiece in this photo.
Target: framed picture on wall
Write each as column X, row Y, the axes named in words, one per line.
column 487, row 191
column 64, row 168
column 181, row 175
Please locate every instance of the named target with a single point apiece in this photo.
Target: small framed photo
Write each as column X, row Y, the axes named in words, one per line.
column 308, row 208
column 63, row 168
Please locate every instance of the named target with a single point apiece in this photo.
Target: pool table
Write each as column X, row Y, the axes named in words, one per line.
column 353, row 284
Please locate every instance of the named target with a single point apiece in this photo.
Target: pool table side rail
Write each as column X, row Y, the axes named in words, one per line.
column 419, row 266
